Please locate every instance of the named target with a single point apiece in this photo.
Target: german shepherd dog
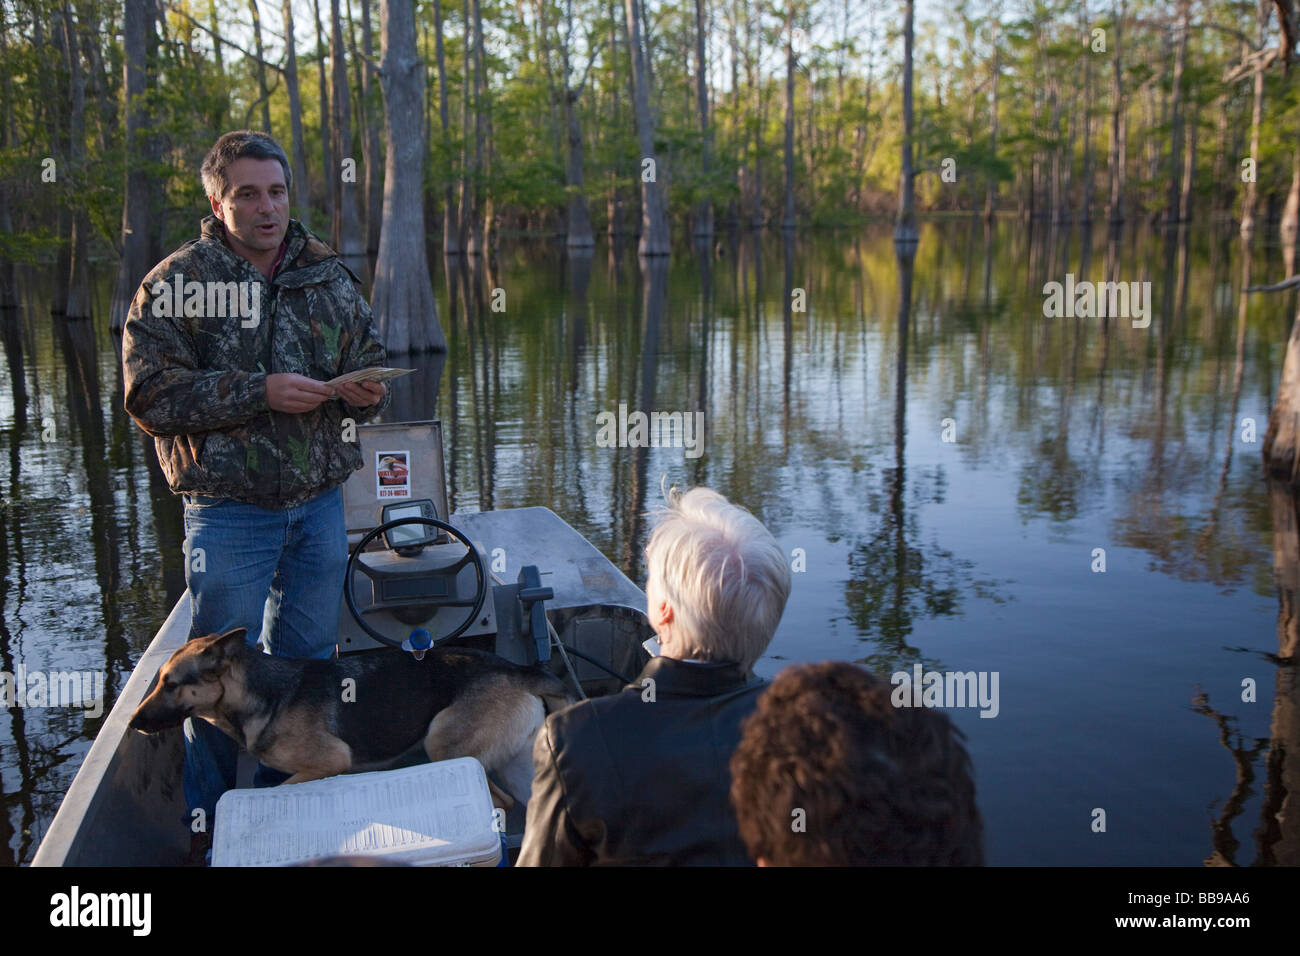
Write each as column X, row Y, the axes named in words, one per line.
column 317, row 718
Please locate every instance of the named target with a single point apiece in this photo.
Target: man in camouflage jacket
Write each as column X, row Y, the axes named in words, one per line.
column 198, row 383
column 226, row 351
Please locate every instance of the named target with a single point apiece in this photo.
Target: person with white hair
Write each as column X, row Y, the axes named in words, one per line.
column 640, row 777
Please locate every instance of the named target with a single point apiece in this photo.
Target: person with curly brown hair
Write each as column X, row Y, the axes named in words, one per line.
column 830, row 773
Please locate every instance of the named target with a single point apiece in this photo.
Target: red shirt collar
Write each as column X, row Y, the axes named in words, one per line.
column 284, row 245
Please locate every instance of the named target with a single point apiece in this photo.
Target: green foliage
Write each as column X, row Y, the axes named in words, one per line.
column 847, row 108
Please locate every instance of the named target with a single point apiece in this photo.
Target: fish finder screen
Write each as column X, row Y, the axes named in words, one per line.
column 407, row 534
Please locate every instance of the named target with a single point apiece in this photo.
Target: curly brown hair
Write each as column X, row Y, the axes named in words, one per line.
column 877, row 785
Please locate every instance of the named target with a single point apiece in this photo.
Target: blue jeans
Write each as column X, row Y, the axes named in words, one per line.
column 279, row 574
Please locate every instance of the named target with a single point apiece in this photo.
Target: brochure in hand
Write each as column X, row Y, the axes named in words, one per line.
column 369, row 375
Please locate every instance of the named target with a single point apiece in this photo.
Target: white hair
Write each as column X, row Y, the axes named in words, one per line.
column 723, row 573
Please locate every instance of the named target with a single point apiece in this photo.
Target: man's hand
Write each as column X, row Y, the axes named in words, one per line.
column 362, row 394
column 294, row 393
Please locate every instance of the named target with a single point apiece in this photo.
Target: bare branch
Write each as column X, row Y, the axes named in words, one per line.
column 1247, row 67
column 1282, row 286
column 220, row 39
column 590, row 60
column 253, row 106
column 1235, row 34
column 373, row 68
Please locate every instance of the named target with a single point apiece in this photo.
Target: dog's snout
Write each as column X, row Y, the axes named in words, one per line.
column 153, row 716
column 140, row 721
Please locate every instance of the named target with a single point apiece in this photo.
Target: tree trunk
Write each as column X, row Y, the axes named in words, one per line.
column 402, row 296
column 654, row 220
column 345, row 225
column 1189, row 168
column 1282, row 440
column 1118, row 146
column 579, row 221
column 1222, row 197
column 841, row 54
column 468, row 172
column 905, row 229
column 1174, row 206
column 374, row 182
column 1054, row 189
column 755, row 78
column 1063, row 211
column 99, row 81
column 860, row 151
column 302, row 206
column 78, row 276
column 214, row 24
column 557, row 127
column 1089, row 173
column 430, row 195
column 1157, row 115
column 475, row 212
column 703, row 212
column 614, row 202
column 738, row 176
column 329, row 169
column 450, row 215
column 810, row 138
column 263, row 90
column 1248, row 204
column 360, row 107
column 646, row 46
column 1291, row 214
column 8, row 270
column 136, row 204
column 54, row 90
column 483, row 107
column 787, row 220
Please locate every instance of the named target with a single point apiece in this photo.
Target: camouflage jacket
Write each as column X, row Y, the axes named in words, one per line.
column 204, row 331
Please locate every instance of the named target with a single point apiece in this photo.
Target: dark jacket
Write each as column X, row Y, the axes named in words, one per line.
column 197, row 381
column 630, row 780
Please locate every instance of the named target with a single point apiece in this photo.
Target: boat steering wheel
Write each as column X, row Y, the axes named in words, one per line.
column 471, row 557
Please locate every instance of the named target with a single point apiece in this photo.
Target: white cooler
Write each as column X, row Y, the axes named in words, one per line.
column 434, row 814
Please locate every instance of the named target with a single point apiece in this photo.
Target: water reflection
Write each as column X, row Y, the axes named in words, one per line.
column 84, row 581
column 76, row 339
column 1244, row 754
column 1218, row 545
column 1278, row 836
column 632, row 513
column 824, row 367
column 11, row 334
column 895, row 579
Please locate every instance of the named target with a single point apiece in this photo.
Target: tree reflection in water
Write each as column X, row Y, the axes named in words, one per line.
column 893, row 580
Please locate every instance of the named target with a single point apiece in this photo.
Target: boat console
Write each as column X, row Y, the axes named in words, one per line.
column 519, row 582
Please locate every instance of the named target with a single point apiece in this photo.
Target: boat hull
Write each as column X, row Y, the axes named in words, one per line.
column 127, row 807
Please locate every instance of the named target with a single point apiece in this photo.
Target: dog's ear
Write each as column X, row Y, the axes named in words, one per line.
column 231, row 643
column 242, row 633
column 221, row 648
